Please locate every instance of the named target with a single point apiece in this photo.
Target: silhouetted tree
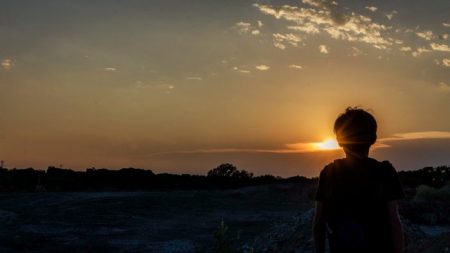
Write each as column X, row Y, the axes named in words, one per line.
column 228, row 170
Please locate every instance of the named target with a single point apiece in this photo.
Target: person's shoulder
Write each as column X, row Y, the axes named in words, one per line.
column 374, row 161
column 385, row 165
column 330, row 167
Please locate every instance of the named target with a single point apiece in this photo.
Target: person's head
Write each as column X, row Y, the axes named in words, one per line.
column 356, row 131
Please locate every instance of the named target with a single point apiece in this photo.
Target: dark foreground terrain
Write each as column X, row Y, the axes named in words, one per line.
column 273, row 218
column 171, row 221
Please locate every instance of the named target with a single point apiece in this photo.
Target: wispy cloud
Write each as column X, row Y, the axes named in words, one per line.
column 405, row 49
column 294, row 66
column 444, row 86
column 426, row 35
column 325, row 17
column 356, row 52
column 446, row 62
column 330, row 8
column 7, row 64
column 255, row 32
column 391, row 15
column 371, row 8
column 308, row 28
column 262, row 67
column 440, row 47
column 243, row 71
column 194, row 78
column 445, row 24
column 417, row 136
column 243, row 27
column 259, row 23
column 110, row 69
column 166, row 87
column 161, row 87
column 279, row 40
column 310, row 147
column 226, row 150
column 323, row 49
column 291, row 148
column 420, row 51
column 444, row 36
column 246, row 28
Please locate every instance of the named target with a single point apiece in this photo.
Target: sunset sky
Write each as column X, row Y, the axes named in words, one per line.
column 182, row 86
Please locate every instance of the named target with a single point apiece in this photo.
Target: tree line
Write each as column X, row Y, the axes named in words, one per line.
column 225, row 176
column 130, row 179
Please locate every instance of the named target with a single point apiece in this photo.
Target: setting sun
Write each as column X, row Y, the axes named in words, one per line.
column 328, row 144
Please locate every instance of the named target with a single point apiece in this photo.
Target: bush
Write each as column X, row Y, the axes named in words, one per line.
column 424, row 193
column 224, row 243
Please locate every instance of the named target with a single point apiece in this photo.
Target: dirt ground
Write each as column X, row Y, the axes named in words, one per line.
column 275, row 218
column 175, row 221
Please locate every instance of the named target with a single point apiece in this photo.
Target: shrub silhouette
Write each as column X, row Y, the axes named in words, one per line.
column 228, row 175
column 229, row 171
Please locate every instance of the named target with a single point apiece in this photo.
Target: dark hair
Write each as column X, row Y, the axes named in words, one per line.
column 355, row 127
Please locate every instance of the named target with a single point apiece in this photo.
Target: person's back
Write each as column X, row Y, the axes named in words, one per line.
column 356, row 195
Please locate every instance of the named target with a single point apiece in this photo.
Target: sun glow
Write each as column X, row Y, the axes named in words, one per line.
column 328, row 144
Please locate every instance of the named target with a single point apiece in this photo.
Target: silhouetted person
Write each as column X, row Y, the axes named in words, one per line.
column 356, row 197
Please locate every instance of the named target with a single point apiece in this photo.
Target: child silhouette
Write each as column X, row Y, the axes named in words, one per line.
column 356, row 197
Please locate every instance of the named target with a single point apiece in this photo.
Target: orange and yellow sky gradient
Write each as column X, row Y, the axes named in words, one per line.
column 182, row 86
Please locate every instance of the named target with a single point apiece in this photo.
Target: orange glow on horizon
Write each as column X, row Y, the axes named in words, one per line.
column 327, row 144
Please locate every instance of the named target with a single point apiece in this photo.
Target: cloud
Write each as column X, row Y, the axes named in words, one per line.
column 330, row 8
column 371, row 8
column 310, row 147
column 309, row 28
column 7, row 64
column 356, row 52
column 323, row 17
column 279, row 40
column 246, row 28
column 262, row 67
column 444, row 36
column 391, row 15
column 314, row 3
column 279, row 45
column 110, row 69
column 444, row 86
column 426, row 35
column 446, row 24
column 417, row 136
column 293, row 66
column 163, row 87
column 420, row 51
column 194, row 78
column 259, row 23
column 235, row 150
column 323, row 49
column 243, row 27
column 440, row 47
column 290, row 148
column 446, row 62
column 243, row 71
column 405, row 49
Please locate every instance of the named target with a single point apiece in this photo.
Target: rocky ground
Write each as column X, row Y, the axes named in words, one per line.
column 295, row 236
